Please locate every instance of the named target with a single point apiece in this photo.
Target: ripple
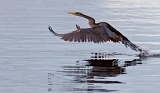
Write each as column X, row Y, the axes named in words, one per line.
column 148, row 35
column 148, row 43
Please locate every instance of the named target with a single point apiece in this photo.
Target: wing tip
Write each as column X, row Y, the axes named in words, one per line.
column 51, row 30
column 131, row 45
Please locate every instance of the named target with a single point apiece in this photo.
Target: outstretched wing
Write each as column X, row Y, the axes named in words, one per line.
column 96, row 35
column 123, row 39
column 84, row 35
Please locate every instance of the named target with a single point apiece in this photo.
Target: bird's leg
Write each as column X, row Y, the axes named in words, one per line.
column 78, row 27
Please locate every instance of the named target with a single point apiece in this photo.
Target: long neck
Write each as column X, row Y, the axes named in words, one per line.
column 90, row 19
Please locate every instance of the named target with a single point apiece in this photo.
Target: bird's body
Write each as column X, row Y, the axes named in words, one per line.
column 98, row 33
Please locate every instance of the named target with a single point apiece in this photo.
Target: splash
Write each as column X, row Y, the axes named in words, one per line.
column 148, row 54
column 143, row 52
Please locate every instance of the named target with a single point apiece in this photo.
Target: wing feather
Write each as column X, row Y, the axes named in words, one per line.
column 87, row 36
column 67, row 37
column 82, row 36
column 78, row 37
column 90, row 37
column 97, row 35
column 93, row 36
column 75, row 37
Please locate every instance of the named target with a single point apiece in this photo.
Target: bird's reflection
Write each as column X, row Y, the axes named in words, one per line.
column 97, row 70
column 105, row 68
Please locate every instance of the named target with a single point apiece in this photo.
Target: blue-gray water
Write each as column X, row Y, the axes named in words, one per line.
column 32, row 60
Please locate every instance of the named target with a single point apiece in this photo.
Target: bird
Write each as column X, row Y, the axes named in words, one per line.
column 97, row 32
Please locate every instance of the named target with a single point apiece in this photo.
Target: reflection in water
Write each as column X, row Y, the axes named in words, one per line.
column 133, row 62
column 96, row 70
column 105, row 68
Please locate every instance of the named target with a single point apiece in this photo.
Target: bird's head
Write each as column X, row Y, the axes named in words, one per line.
column 75, row 13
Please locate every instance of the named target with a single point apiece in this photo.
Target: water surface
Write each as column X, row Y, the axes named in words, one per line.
column 32, row 60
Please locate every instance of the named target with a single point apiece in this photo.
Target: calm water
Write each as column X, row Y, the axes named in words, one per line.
column 32, row 60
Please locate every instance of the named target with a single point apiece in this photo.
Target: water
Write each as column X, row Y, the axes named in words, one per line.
column 32, row 60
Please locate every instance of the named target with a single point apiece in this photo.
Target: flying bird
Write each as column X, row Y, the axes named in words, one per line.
column 97, row 33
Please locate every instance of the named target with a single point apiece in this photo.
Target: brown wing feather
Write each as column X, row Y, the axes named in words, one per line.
column 121, row 38
column 96, row 35
column 83, row 35
column 75, row 37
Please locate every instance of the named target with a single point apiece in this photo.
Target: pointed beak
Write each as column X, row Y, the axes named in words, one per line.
column 73, row 13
